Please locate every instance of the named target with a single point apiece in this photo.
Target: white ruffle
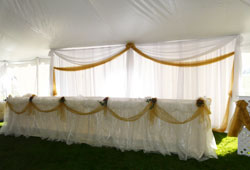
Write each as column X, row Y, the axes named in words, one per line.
column 190, row 140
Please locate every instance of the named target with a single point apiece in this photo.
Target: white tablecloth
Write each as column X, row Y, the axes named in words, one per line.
column 190, row 140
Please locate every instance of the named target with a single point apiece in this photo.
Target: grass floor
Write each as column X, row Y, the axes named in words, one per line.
column 36, row 154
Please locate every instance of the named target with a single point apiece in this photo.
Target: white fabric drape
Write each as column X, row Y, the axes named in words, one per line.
column 106, row 80
column 18, row 78
column 131, row 75
column 189, row 140
column 85, row 56
column 4, row 83
column 184, row 50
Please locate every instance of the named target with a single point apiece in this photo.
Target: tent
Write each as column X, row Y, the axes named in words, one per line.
column 30, row 28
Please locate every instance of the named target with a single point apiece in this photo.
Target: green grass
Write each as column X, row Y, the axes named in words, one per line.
column 36, row 154
column 225, row 145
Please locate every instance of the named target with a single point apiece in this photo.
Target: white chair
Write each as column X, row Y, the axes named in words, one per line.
column 244, row 142
column 244, row 135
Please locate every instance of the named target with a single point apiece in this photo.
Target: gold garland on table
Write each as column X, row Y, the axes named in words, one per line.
column 240, row 118
column 152, row 107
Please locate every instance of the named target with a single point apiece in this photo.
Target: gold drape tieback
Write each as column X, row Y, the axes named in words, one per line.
column 240, row 118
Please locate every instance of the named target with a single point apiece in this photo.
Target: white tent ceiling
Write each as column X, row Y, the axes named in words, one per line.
column 29, row 28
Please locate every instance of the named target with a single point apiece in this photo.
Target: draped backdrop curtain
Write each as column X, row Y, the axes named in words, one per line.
column 131, row 75
column 21, row 77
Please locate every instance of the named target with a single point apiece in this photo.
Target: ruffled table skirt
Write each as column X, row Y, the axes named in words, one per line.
column 190, row 140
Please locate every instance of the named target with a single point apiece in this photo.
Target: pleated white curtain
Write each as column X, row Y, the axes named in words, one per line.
column 18, row 78
column 131, row 75
column 4, row 83
column 105, row 80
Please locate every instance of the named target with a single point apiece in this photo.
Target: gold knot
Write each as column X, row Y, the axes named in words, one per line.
column 242, row 104
column 130, row 45
column 230, row 93
column 200, row 102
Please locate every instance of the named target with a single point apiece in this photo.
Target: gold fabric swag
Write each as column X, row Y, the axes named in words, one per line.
column 177, row 64
column 241, row 118
column 152, row 108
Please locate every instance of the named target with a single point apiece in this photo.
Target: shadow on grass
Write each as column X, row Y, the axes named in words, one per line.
column 226, row 146
column 18, row 152
column 219, row 137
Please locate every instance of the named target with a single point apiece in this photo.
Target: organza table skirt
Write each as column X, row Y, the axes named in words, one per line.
column 189, row 140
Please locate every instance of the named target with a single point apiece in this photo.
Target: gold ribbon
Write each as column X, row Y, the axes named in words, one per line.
column 152, row 107
column 3, row 108
column 202, row 111
column 224, row 124
column 132, row 118
column 240, row 118
column 18, row 112
column 87, row 66
column 184, row 64
column 54, row 83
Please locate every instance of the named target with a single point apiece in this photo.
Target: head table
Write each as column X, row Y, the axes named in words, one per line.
column 124, row 123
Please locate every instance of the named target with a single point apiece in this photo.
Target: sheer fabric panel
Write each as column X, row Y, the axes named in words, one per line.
column 18, row 78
